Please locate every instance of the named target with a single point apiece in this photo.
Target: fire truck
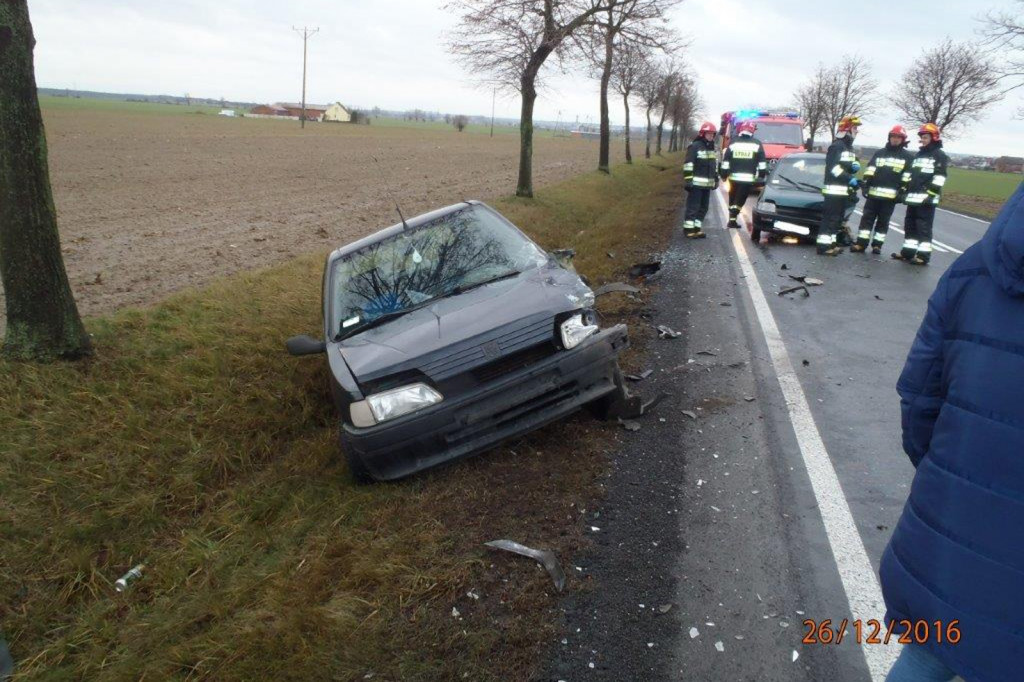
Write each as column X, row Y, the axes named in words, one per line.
column 781, row 133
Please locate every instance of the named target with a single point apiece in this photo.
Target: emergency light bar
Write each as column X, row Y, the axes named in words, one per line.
column 745, row 114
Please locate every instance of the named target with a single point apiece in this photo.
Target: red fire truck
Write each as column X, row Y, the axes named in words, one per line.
column 781, row 133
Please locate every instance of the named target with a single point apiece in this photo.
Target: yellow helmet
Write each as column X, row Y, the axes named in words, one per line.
column 849, row 123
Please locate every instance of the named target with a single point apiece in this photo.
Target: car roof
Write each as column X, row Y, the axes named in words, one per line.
column 397, row 228
column 803, row 155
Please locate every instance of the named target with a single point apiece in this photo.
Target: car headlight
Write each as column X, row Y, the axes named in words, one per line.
column 575, row 329
column 396, row 402
column 766, row 207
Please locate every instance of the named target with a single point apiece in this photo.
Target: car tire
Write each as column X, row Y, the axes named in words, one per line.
column 755, row 232
column 360, row 474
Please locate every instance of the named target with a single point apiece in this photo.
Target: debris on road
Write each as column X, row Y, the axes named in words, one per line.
column 664, row 608
column 641, row 376
column 807, row 363
column 651, row 404
column 128, row 578
column 610, row 254
column 749, row 398
column 629, row 424
column 707, row 352
column 667, row 332
column 455, row 613
column 810, row 281
column 615, row 287
column 799, row 287
column 644, row 269
column 879, row 297
column 691, row 414
column 694, row 632
column 784, row 267
column 545, row 557
column 796, row 655
column 719, row 646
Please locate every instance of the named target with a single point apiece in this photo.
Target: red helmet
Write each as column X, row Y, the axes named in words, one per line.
column 746, row 127
column 898, row 131
column 930, row 129
column 707, row 127
column 848, row 123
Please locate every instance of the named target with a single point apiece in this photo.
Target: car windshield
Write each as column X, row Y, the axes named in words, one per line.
column 456, row 252
column 779, row 133
column 799, row 173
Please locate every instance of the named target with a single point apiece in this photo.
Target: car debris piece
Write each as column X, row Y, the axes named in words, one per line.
column 791, row 290
column 690, row 414
column 644, row 269
column 749, row 398
column 694, row 632
column 615, row 286
column 629, row 424
column 667, row 332
column 664, row 608
column 719, row 646
column 641, row 376
column 6, row 662
column 879, row 297
column 810, row 281
column 545, row 557
column 707, row 352
column 128, row 578
column 651, row 404
column 796, row 655
column 610, row 254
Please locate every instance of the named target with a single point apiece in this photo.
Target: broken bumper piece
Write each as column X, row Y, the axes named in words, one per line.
column 509, row 406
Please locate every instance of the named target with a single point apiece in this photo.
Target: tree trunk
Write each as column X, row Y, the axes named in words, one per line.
column 661, row 132
column 647, row 147
column 625, row 102
column 672, row 137
column 525, row 186
column 604, row 145
column 42, row 319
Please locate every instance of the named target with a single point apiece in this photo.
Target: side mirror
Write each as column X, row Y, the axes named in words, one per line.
column 304, row 345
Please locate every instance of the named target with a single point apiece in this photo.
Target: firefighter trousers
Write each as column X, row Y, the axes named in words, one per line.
column 738, row 194
column 832, row 213
column 877, row 213
column 917, row 241
column 698, row 199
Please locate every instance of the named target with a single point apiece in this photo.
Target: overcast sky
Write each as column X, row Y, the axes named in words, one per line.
column 390, row 53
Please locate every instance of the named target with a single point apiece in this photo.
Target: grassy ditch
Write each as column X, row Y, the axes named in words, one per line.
column 192, row 443
column 978, row 193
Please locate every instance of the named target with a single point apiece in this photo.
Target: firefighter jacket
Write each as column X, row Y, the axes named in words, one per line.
column 888, row 173
column 927, row 175
column 701, row 167
column 744, row 160
column 839, row 167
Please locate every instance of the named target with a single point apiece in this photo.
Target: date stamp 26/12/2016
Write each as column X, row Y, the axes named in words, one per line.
column 875, row 632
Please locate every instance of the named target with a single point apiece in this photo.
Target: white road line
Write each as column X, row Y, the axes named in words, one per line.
column 858, row 577
column 968, row 217
column 939, row 246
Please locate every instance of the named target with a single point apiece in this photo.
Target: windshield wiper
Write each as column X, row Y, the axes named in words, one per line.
column 798, row 185
column 379, row 320
column 463, row 288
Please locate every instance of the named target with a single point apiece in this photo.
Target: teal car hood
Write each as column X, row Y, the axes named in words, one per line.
column 793, row 198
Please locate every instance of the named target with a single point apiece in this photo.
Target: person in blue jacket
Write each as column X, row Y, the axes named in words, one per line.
column 957, row 553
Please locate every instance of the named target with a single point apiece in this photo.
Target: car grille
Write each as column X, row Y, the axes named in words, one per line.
column 512, row 362
column 797, row 214
column 496, row 347
column 523, row 411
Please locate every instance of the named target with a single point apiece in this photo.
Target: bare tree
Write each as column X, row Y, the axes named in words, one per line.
column 948, row 85
column 42, row 318
column 849, row 89
column 637, row 23
column 649, row 86
column 811, row 99
column 460, row 122
column 682, row 107
column 1004, row 38
column 508, row 41
column 631, row 67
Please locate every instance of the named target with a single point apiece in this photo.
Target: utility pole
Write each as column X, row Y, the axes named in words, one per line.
column 494, row 93
column 307, row 33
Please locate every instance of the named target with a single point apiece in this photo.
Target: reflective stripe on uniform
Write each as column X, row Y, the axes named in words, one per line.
column 688, row 166
column 725, row 165
column 917, row 197
column 707, row 154
column 837, row 170
column 762, row 166
column 836, row 190
column 939, row 180
column 869, row 172
column 688, row 225
column 863, row 234
column 882, row 192
column 879, row 237
column 745, row 147
column 910, row 244
column 847, row 156
column 826, row 239
column 703, row 182
column 698, row 222
column 925, row 247
column 742, row 177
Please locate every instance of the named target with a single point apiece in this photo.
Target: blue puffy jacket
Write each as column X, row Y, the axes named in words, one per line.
column 957, row 552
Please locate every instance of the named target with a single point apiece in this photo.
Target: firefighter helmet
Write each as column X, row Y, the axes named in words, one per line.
column 707, row 127
column 930, row 129
column 746, row 127
column 848, row 123
column 898, row 131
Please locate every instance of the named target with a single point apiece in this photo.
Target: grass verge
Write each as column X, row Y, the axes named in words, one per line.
column 978, row 193
column 194, row 444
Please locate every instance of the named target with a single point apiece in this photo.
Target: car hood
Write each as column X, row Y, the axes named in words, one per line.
column 777, row 151
column 459, row 332
column 793, row 198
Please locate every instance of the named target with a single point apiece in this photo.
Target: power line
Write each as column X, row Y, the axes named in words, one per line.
column 307, row 33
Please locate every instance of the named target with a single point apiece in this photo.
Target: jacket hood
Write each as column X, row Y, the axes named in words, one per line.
column 1003, row 245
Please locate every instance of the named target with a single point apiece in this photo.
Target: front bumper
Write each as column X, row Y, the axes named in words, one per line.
column 512, row 405
column 795, row 222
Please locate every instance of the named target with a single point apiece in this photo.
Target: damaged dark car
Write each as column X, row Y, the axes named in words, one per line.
column 452, row 331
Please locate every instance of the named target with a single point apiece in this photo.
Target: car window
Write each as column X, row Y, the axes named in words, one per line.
column 808, row 173
column 779, row 133
column 455, row 251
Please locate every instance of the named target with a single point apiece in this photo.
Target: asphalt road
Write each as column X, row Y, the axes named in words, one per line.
column 768, row 493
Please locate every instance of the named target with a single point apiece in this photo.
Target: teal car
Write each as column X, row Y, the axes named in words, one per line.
column 791, row 202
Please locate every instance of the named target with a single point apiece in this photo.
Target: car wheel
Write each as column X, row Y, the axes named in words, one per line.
column 360, row 474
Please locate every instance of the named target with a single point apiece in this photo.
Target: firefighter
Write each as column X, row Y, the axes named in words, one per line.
column 700, row 173
column 841, row 169
column 927, row 177
column 884, row 186
column 743, row 164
